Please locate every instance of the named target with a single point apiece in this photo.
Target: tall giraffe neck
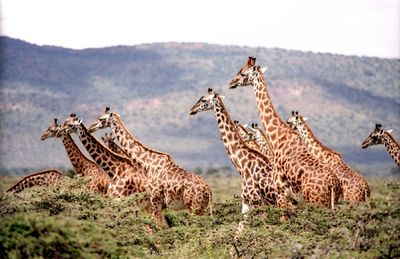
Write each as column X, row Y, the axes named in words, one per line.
column 392, row 147
column 315, row 146
column 109, row 161
column 136, row 150
column 274, row 126
column 234, row 145
column 77, row 158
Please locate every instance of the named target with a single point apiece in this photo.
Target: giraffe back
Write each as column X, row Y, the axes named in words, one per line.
column 43, row 178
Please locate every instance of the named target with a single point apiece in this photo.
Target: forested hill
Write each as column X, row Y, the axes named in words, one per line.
column 153, row 86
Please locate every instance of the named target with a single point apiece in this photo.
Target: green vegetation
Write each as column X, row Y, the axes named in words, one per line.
column 67, row 222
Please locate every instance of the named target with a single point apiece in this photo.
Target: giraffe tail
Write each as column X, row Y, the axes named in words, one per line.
column 47, row 177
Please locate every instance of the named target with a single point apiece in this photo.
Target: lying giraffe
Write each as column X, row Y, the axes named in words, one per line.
column 316, row 182
column 83, row 166
column 354, row 186
column 382, row 136
column 127, row 176
column 169, row 184
column 262, row 184
column 44, row 178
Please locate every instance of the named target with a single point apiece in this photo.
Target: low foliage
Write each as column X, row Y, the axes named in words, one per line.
column 67, row 221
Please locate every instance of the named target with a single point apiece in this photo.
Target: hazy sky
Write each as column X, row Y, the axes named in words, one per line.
column 351, row 27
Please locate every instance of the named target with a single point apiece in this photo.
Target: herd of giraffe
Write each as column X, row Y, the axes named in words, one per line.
column 276, row 162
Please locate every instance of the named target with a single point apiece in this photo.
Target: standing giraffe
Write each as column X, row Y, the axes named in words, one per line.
column 43, row 178
column 382, row 136
column 354, row 186
column 83, row 166
column 128, row 176
column 246, row 136
column 315, row 181
column 109, row 141
column 261, row 139
column 262, row 184
column 169, row 185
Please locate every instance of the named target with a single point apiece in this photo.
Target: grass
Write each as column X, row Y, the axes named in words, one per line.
column 66, row 221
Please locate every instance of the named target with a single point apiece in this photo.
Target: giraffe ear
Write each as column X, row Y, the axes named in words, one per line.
column 221, row 96
column 389, row 131
column 264, row 69
column 79, row 121
column 305, row 118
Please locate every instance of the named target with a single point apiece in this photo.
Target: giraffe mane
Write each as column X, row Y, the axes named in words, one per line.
column 392, row 138
column 107, row 149
column 140, row 143
column 317, row 140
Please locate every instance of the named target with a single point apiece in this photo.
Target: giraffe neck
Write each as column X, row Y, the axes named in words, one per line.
column 315, row 147
column 78, row 160
column 392, row 147
column 273, row 124
column 110, row 162
column 234, row 145
column 145, row 156
column 264, row 145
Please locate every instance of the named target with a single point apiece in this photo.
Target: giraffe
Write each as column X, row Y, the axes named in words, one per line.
column 261, row 139
column 109, row 141
column 383, row 136
column 262, row 184
column 169, row 184
column 43, row 178
column 354, row 186
column 246, row 136
column 315, row 181
column 127, row 176
column 83, row 166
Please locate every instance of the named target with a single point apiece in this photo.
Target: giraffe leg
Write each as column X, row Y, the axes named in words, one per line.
column 156, row 204
column 234, row 252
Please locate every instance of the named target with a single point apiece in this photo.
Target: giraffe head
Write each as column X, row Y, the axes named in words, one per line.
column 296, row 121
column 103, row 121
column 247, row 74
column 108, row 139
column 53, row 131
column 376, row 137
column 251, row 131
column 72, row 124
column 206, row 102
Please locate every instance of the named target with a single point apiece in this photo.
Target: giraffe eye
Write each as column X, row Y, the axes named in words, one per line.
column 242, row 74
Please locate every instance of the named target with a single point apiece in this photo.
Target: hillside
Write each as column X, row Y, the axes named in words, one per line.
column 153, row 87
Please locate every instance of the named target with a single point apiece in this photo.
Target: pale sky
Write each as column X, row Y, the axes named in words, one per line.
column 350, row 27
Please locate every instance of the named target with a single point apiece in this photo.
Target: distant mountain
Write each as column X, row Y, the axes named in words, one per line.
column 153, row 87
